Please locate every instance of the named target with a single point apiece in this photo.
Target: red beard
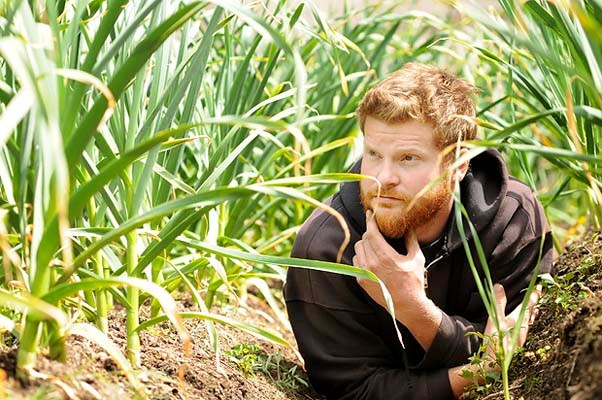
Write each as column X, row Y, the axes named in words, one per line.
column 394, row 221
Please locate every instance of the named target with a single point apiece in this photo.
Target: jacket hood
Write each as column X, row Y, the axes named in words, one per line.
column 481, row 191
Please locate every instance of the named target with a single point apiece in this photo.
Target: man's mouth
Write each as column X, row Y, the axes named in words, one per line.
column 388, row 201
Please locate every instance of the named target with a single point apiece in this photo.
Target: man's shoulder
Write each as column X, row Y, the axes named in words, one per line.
column 523, row 200
column 521, row 192
column 520, row 221
column 321, row 232
column 320, row 238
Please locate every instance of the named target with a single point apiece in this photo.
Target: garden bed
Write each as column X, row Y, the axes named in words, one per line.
column 248, row 368
column 562, row 358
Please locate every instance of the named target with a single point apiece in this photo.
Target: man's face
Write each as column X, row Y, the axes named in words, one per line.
column 404, row 158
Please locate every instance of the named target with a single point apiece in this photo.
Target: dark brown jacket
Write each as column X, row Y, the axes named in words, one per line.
column 348, row 341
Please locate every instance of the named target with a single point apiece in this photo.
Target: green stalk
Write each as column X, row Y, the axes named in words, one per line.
column 102, row 319
column 133, row 293
column 505, row 381
column 157, row 276
column 28, row 350
column 133, row 297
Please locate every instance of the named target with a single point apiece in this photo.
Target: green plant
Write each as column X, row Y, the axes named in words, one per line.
column 285, row 376
column 247, row 357
column 147, row 147
column 251, row 359
column 563, row 293
column 541, row 64
column 542, row 352
column 484, row 379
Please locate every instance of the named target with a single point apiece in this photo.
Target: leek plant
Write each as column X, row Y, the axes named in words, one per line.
column 149, row 147
column 541, row 62
column 546, row 110
column 152, row 147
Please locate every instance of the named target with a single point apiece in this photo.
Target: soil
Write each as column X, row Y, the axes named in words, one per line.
column 89, row 373
column 562, row 358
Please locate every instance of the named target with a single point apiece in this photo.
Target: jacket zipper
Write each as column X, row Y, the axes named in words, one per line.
column 426, row 273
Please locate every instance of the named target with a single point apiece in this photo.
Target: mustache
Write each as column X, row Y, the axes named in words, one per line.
column 393, row 195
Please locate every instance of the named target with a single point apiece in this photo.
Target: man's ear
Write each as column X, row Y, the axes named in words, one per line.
column 460, row 172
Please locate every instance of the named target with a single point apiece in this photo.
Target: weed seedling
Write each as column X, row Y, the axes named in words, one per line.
column 251, row 359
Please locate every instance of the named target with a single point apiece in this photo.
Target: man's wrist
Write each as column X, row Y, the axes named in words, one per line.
column 422, row 318
column 457, row 381
column 413, row 308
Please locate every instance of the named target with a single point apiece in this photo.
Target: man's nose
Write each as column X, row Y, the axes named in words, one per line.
column 388, row 176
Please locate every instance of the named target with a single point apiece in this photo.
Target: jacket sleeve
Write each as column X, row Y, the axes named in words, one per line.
column 340, row 334
column 524, row 247
column 524, row 243
column 346, row 359
column 454, row 342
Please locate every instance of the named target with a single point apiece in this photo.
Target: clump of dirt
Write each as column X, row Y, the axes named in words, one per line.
column 562, row 358
column 89, row 373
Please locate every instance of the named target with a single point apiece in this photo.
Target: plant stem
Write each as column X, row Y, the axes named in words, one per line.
column 157, row 276
column 102, row 320
column 132, row 319
column 505, row 381
column 28, row 349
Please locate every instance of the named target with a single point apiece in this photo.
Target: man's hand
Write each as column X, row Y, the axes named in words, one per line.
column 404, row 278
column 402, row 275
column 506, row 324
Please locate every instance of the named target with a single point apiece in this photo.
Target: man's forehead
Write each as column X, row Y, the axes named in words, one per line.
column 399, row 135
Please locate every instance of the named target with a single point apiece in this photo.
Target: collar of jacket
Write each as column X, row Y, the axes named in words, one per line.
column 481, row 191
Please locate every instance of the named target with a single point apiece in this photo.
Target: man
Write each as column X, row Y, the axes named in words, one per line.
column 407, row 235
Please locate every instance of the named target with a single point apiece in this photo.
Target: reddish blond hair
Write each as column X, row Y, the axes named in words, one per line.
column 427, row 94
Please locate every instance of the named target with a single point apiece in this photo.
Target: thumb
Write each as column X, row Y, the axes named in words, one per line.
column 493, row 323
column 500, row 300
column 412, row 245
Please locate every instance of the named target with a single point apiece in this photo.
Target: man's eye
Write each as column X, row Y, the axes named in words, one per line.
column 372, row 153
column 408, row 157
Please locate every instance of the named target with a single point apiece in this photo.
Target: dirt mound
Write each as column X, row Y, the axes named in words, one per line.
column 248, row 368
column 562, row 358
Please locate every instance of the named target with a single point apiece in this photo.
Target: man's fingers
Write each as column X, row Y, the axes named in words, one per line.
column 534, row 297
column 359, row 260
column 374, row 239
column 500, row 300
column 531, row 310
column 524, row 328
column 412, row 245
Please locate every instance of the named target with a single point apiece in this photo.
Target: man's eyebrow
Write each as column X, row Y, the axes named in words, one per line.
column 368, row 146
column 400, row 149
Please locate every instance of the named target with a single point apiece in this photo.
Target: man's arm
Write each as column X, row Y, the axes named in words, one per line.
column 346, row 358
column 403, row 275
column 446, row 335
column 506, row 323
